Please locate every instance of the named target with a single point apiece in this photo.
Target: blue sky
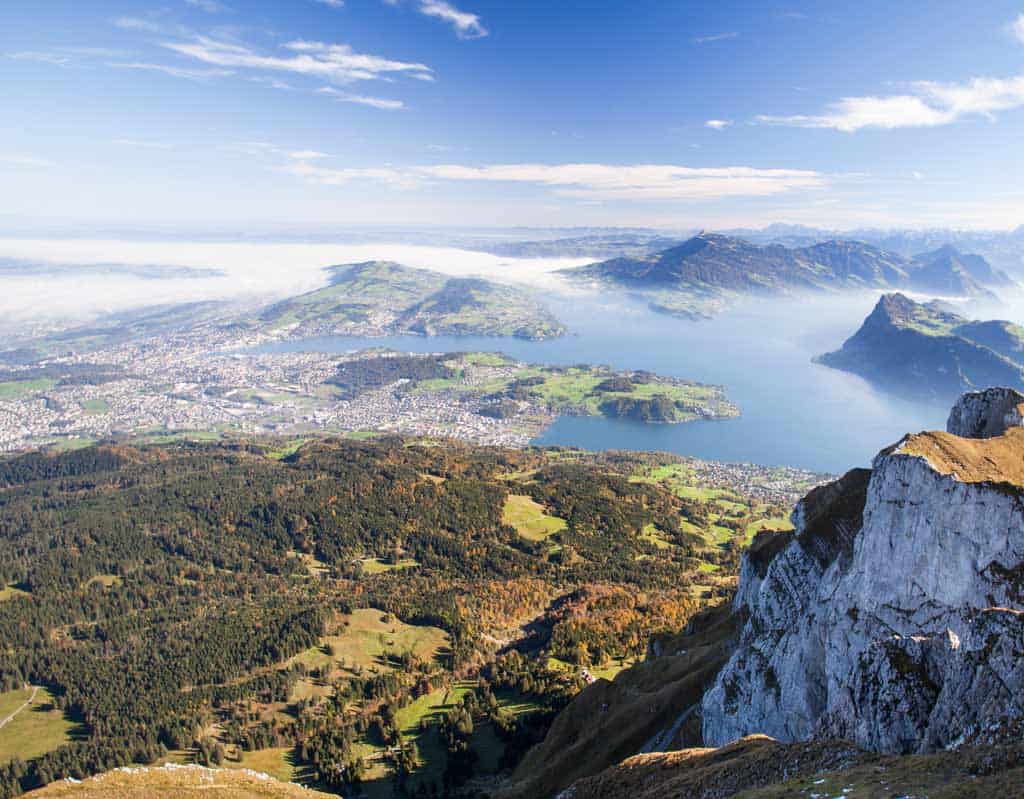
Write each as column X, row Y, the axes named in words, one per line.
column 483, row 113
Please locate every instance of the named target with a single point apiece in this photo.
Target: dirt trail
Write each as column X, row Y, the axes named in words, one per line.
column 4, row 722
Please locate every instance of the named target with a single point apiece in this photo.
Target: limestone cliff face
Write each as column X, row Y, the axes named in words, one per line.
column 895, row 616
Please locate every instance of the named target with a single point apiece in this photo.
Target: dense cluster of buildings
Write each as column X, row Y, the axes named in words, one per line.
column 208, row 381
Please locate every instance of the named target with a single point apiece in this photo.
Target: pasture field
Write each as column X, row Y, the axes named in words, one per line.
column 530, row 519
column 368, row 639
column 378, row 566
column 35, row 729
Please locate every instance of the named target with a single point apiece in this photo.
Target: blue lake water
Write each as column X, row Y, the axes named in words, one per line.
column 794, row 412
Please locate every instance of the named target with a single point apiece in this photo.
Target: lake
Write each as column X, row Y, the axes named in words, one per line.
column 794, row 412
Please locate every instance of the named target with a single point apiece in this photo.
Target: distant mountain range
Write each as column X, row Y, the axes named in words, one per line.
column 693, row 277
column 920, row 349
column 1004, row 249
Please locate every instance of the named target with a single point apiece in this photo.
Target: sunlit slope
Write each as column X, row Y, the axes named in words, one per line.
column 177, row 781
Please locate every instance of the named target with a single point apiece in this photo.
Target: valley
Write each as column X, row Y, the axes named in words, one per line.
column 454, row 648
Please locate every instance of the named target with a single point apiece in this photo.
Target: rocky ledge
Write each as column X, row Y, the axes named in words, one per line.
column 893, row 616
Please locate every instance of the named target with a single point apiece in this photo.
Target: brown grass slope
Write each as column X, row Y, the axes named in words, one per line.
column 164, row 782
column 762, row 768
column 610, row 721
column 994, row 460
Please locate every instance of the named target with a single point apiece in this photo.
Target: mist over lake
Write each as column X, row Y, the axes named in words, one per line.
column 794, row 412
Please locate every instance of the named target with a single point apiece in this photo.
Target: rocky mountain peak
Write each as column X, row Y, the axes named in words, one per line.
column 894, row 617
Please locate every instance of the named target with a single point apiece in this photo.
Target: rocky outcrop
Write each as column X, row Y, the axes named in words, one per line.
column 988, row 413
column 895, row 616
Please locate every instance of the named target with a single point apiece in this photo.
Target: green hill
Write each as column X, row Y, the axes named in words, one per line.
column 382, row 297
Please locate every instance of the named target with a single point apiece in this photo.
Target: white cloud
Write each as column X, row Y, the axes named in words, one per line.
column 326, row 176
column 306, row 155
column 467, row 25
column 1017, row 26
column 56, row 59
column 718, row 124
column 929, row 104
column 148, row 145
column 209, row 6
column 334, row 62
column 717, row 37
column 362, row 99
column 585, row 181
column 373, row 102
column 177, row 72
column 273, row 83
column 137, row 24
column 639, row 182
column 331, row 3
column 21, row 159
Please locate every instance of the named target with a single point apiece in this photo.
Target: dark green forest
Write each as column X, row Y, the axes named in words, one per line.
column 160, row 593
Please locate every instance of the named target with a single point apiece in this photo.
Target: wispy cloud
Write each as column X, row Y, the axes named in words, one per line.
column 718, row 124
column 645, row 182
column 715, row 37
column 639, row 182
column 1017, row 26
column 209, row 6
column 331, row 3
column 466, row 24
column 335, row 62
column 326, row 176
column 24, row 160
column 66, row 56
column 177, row 72
column 928, row 104
column 306, row 155
column 138, row 24
column 273, row 83
column 361, row 99
column 374, row 102
column 56, row 59
column 144, row 144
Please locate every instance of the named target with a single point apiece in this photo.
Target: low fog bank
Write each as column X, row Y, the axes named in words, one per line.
column 61, row 279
